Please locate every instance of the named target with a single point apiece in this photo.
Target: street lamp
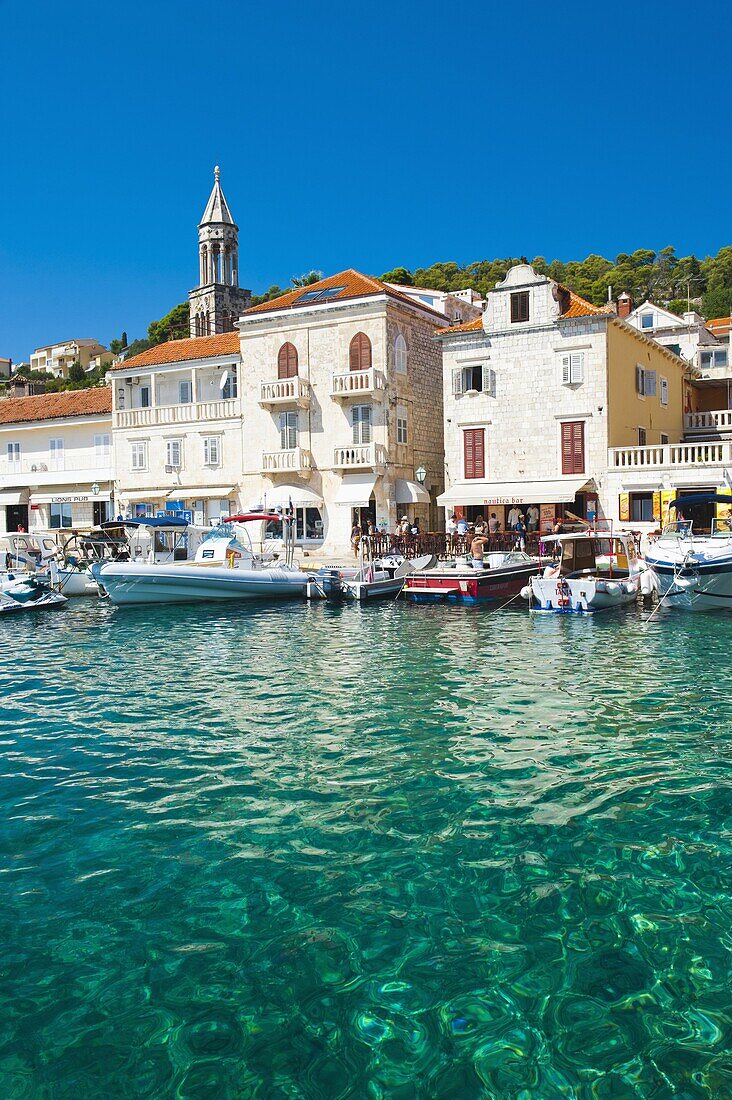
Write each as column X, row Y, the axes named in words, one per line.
column 420, row 473
column 95, row 489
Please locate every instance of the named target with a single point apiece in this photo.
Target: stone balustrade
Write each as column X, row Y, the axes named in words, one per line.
column 177, row 414
column 295, row 460
column 358, row 383
column 719, row 420
column 673, row 454
column 359, row 456
column 285, row 391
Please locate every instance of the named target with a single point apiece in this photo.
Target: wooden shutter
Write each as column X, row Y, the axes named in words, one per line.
column 573, row 447
column 649, row 383
column 664, row 391
column 360, row 352
column 474, row 452
column 287, row 361
column 639, row 379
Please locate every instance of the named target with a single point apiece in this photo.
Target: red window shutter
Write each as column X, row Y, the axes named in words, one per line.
column 474, row 452
column 573, row 447
column 360, row 352
column 287, row 361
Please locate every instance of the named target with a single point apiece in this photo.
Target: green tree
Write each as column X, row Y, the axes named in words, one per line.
column 399, row 275
column 77, row 372
column 175, row 325
column 307, row 279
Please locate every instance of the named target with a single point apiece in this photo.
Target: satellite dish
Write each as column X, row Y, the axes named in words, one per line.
column 223, row 380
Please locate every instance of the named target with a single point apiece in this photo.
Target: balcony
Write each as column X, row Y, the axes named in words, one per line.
column 189, row 413
column 670, row 455
column 358, row 383
column 295, row 461
column 78, row 468
column 360, row 456
column 710, row 425
column 285, row 391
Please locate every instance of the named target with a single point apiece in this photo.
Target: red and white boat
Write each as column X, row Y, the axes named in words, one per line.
column 501, row 577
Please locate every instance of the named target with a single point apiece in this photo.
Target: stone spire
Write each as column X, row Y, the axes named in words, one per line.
column 217, row 301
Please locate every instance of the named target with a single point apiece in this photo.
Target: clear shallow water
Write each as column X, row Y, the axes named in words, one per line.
column 392, row 852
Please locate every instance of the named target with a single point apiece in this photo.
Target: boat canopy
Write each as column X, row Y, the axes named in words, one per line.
column 152, row 521
column 252, row 517
column 700, row 498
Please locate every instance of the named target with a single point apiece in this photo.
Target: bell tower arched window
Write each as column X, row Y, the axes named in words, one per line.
column 287, row 361
column 359, row 356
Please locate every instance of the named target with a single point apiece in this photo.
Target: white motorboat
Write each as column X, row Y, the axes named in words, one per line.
column 26, row 593
column 596, row 571
column 694, row 569
column 225, row 566
column 378, row 578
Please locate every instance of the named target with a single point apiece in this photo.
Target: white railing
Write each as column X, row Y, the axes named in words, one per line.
column 176, row 414
column 357, row 383
column 284, row 391
column 674, row 454
column 40, row 465
column 717, row 421
column 280, row 462
column 359, row 456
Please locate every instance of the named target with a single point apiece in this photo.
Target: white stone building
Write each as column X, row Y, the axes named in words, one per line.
column 57, row 358
column 456, row 305
column 56, row 460
column 535, row 394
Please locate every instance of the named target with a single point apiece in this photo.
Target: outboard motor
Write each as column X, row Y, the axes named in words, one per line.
column 330, row 582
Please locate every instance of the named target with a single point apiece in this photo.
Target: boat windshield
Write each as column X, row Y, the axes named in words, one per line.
column 679, row 530
column 722, row 528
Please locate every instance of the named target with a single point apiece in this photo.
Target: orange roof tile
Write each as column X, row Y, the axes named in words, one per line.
column 719, row 324
column 476, row 325
column 54, row 406
column 580, row 307
column 177, row 351
column 350, row 284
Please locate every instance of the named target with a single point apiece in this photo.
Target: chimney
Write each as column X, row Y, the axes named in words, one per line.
column 625, row 305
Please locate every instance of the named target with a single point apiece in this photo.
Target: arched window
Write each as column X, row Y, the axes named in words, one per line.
column 287, row 361
column 359, row 356
column 207, row 326
column 400, row 354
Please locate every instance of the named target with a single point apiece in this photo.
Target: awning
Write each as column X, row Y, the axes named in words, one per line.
column 279, row 496
column 512, row 492
column 187, row 493
column 61, row 497
column 144, row 494
column 356, row 490
column 411, row 492
column 13, row 496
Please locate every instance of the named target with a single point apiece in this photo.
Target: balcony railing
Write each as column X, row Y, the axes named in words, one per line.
column 674, row 454
column 706, row 422
column 358, row 383
column 285, row 391
column 176, row 414
column 359, row 456
column 295, row 461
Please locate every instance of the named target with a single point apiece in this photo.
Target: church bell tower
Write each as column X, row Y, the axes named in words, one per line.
column 218, row 300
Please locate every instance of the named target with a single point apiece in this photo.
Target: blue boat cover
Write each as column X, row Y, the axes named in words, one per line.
column 700, row 498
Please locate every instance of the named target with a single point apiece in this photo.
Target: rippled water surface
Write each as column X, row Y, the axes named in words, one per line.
column 384, row 852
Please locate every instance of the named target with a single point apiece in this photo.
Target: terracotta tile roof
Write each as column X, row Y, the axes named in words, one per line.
column 54, row 406
column 580, row 307
column 350, row 284
column 475, row 325
column 719, row 324
column 177, row 351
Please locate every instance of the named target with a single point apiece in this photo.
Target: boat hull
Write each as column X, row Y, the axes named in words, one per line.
column 468, row 586
column 581, row 595
column 696, row 584
column 138, row 583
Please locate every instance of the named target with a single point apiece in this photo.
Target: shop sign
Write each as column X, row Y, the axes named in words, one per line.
column 504, row 500
column 624, row 507
column 83, row 498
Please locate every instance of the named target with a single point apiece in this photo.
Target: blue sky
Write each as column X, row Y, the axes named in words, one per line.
column 348, row 136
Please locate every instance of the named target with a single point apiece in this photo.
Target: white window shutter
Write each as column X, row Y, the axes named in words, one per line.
column 566, row 369
column 489, row 380
column 664, row 391
column 457, row 382
column 577, row 366
column 639, row 372
column 649, row 382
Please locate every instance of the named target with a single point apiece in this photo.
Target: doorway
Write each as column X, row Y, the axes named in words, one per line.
column 16, row 515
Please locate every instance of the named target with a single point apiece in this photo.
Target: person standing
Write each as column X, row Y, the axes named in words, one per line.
column 520, row 529
column 513, row 517
column 532, row 518
column 477, row 550
column 494, row 524
column 462, row 527
column 355, row 538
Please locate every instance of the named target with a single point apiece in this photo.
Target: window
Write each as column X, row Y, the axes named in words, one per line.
column 400, row 355
column 641, row 507
column 479, row 378
column 185, row 392
column 573, row 368
column 642, row 437
column 288, row 431
column 138, row 456
column 230, row 388
column 102, row 446
column 401, row 431
column 359, row 355
column 645, row 381
column 287, row 361
column 56, row 454
column 173, row 453
column 646, row 320
column 664, row 391
column 361, row 423
column 14, row 454
column 60, row 516
column 474, row 452
column 664, row 439
column 520, row 306
column 144, row 397
column 320, row 295
column 716, row 358
column 573, row 447
column 211, row 450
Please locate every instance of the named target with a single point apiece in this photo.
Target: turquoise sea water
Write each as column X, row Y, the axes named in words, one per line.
column 385, row 852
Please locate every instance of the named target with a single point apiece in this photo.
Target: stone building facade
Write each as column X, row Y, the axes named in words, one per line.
column 538, row 390
column 218, row 299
